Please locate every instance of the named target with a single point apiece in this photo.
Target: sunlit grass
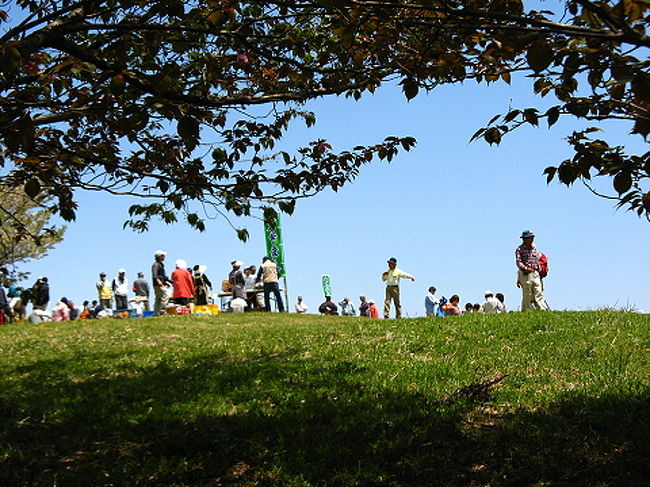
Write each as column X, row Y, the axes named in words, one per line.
column 270, row 399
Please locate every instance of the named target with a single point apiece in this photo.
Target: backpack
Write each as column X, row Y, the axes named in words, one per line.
column 543, row 265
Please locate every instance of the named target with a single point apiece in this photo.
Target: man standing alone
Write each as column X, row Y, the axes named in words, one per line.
column 527, row 260
column 160, row 281
column 392, row 277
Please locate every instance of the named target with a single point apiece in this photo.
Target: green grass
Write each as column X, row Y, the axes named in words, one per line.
column 289, row 400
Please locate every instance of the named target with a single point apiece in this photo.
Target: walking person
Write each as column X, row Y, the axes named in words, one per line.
column 528, row 277
column 391, row 277
column 160, row 282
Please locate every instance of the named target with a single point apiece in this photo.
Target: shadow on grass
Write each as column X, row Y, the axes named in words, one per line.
column 295, row 423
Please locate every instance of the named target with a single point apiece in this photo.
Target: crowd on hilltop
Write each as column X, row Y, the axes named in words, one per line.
column 252, row 289
column 185, row 288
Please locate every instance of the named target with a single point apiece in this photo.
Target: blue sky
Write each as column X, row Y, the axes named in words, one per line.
column 451, row 212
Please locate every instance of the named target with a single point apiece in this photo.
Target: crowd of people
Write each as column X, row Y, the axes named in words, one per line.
column 532, row 267
column 253, row 289
column 185, row 287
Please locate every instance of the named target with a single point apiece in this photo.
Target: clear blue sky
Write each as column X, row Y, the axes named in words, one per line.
column 450, row 212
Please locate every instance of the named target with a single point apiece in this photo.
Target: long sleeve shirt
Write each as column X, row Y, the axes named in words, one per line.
column 430, row 303
column 527, row 258
column 393, row 276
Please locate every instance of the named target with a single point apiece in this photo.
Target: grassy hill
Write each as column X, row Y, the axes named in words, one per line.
column 536, row 399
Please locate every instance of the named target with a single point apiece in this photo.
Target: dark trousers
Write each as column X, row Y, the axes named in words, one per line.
column 121, row 302
column 275, row 288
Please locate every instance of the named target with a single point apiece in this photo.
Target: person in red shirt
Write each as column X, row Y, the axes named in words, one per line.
column 372, row 309
column 182, row 283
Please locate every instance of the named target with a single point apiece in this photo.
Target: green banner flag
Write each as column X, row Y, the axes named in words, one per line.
column 274, row 250
column 327, row 285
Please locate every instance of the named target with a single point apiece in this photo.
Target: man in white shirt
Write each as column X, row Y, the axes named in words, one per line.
column 391, row 277
column 492, row 305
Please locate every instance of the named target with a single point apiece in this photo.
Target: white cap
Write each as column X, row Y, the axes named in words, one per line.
column 181, row 264
column 371, row 301
column 487, row 293
column 121, row 271
column 158, row 253
column 237, row 263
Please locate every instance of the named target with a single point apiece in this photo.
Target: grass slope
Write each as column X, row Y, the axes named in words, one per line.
column 288, row 400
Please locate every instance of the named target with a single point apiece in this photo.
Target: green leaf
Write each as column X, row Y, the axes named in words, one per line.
column 287, row 207
column 32, row 188
column 410, row 88
column 242, row 234
column 622, row 182
column 539, row 56
column 552, row 115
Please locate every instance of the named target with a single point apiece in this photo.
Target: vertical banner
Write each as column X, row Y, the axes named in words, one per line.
column 274, row 248
column 327, row 285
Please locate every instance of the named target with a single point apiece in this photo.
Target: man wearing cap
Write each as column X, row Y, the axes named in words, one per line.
column 141, row 290
column 160, row 281
column 392, row 277
column 527, row 260
column 491, row 305
column 120, row 288
column 104, row 293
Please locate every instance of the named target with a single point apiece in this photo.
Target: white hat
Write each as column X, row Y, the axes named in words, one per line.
column 181, row 264
column 237, row 263
column 121, row 271
column 488, row 293
column 158, row 253
column 371, row 301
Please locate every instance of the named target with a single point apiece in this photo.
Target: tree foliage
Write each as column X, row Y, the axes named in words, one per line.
column 26, row 232
column 183, row 103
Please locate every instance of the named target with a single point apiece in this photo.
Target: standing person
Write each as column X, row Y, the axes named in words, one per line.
column 431, row 302
column 120, row 287
column 301, row 307
column 347, row 307
column 373, row 310
column 364, row 307
column 104, row 293
column 5, row 310
column 41, row 293
column 269, row 275
column 202, row 285
column 141, row 290
column 237, row 281
column 160, row 282
column 392, row 277
column 182, row 283
column 492, row 305
column 527, row 260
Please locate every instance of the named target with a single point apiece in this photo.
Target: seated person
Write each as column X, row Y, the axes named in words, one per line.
column 328, row 307
column 451, row 308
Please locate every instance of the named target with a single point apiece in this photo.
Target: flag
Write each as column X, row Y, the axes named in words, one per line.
column 327, row 285
column 274, row 250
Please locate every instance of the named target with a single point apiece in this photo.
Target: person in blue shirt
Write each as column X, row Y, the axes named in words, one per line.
column 431, row 302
